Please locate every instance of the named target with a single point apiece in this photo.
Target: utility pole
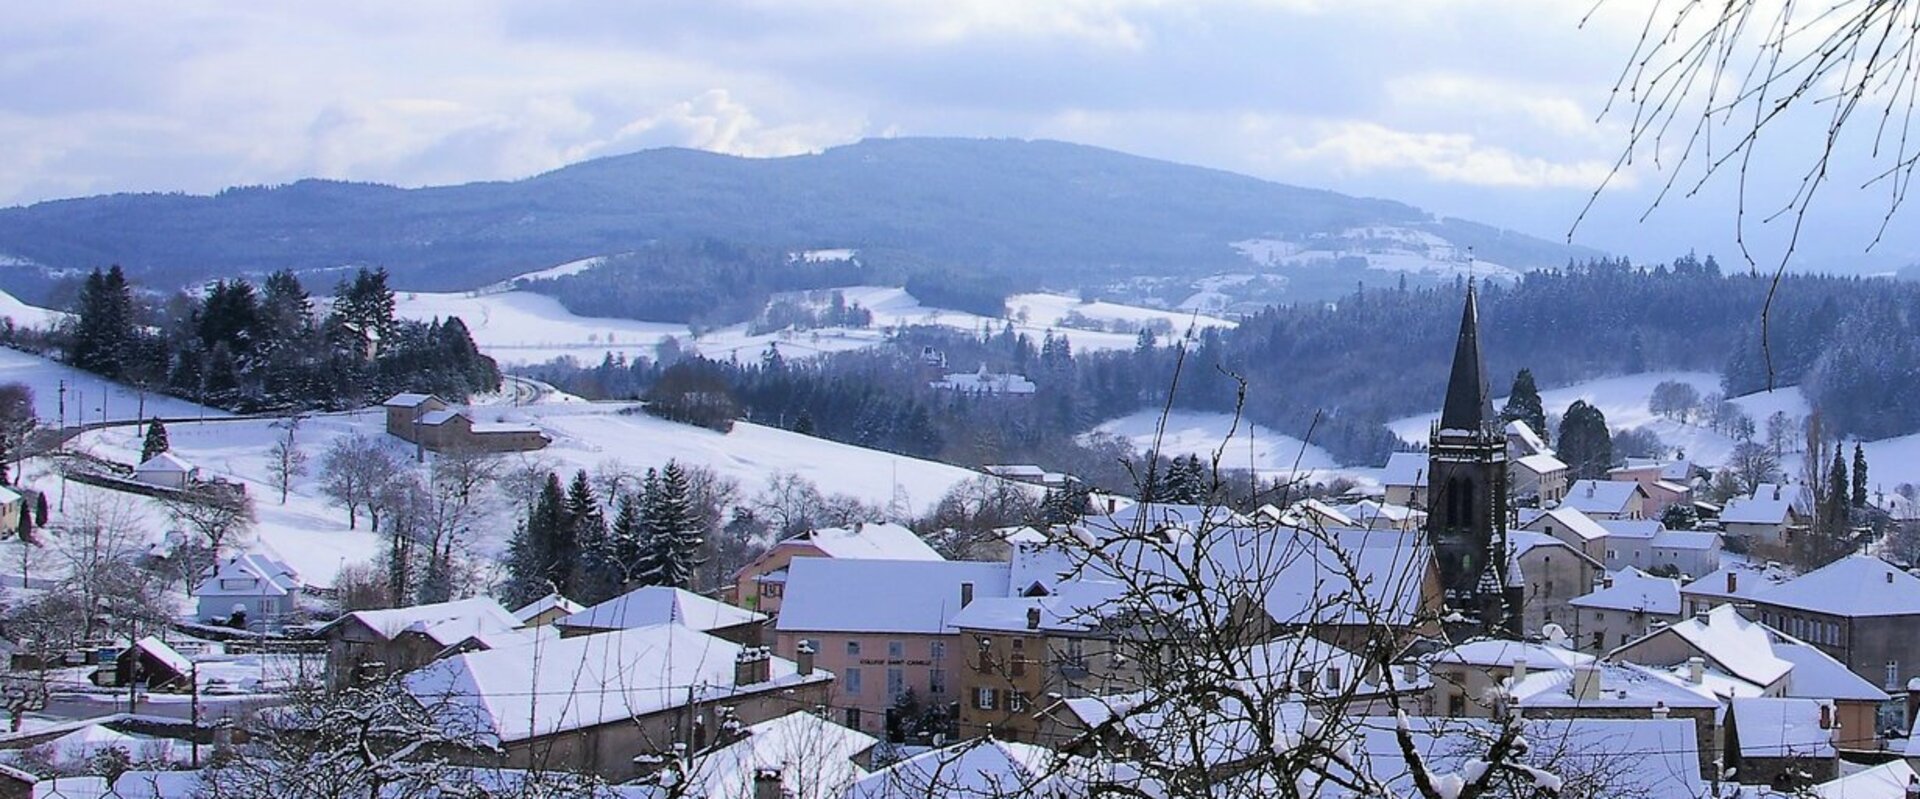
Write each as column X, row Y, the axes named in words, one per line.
column 194, row 675
column 63, row 402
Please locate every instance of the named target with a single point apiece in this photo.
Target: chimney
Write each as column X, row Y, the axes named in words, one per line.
column 1586, row 682
column 1606, row 580
column 752, row 666
column 1776, row 492
column 1733, row 582
column 1826, row 716
column 1590, row 487
column 1696, row 670
column 1410, row 672
column 767, row 784
column 1889, row 577
column 1033, row 618
column 1519, row 670
column 966, row 594
column 1660, row 710
column 803, row 656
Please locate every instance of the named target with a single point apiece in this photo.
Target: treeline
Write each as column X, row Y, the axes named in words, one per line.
column 707, row 283
column 248, row 349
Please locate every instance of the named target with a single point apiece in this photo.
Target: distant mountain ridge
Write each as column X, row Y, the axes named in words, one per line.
column 1009, row 206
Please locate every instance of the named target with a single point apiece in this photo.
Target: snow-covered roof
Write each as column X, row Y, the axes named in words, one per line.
column 1853, row 586
column 1497, row 653
column 813, row 755
column 980, row 767
column 1541, row 463
column 407, row 400
column 1781, row 727
column 1816, row 675
column 1161, row 516
column 9, row 496
column 1521, row 542
column 1729, row 641
column 1748, row 510
column 549, row 602
column 1645, row 757
column 267, row 576
column 440, row 417
column 1369, row 512
column 1637, row 591
column 486, row 428
column 475, row 614
column 1405, row 469
column 159, row 650
column 1073, row 606
column 1886, row 781
column 882, row 596
column 1702, row 540
column 1663, row 469
column 871, row 540
column 1748, row 580
column 1644, row 529
column 578, row 683
column 656, row 604
column 1570, row 519
column 1530, row 442
column 1621, row 685
column 164, row 463
column 985, row 382
column 1670, row 487
column 1601, row 496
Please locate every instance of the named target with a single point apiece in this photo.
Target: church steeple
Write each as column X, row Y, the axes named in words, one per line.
column 1469, row 402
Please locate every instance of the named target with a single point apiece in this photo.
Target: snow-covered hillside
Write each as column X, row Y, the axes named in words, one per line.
column 518, row 327
column 89, row 398
column 1387, row 248
column 1267, row 452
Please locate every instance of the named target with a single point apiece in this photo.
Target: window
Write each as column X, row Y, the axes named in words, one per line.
column 1599, row 641
column 1456, row 705
column 937, row 650
column 983, row 698
column 853, row 680
column 896, row 683
column 1611, row 554
column 1893, row 675
column 1333, row 679
column 853, row 718
column 236, row 583
column 896, row 650
column 1016, row 702
column 1018, row 664
column 937, row 681
column 853, row 649
column 1549, row 588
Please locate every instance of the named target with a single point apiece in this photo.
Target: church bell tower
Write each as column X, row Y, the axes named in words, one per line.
column 1467, row 495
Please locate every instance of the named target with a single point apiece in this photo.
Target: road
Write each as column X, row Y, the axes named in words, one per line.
column 77, row 706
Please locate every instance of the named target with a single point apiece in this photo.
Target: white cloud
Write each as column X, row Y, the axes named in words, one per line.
column 1448, row 157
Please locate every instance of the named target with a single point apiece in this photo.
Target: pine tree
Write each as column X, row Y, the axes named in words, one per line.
column 1837, row 486
column 646, row 566
column 1859, row 476
column 1524, row 405
column 156, row 442
column 626, row 542
column 675, row 530
column 1586, row 445
column 587, row 536
column 540, row 553
column 104, row 333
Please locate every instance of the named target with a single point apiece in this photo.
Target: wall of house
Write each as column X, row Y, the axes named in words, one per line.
column 1002, row 683
column 1859, row 725
column 748, row 594
column 1691, row 562
column 349, row 646
column 269, row 610
column 1598, row 631
column 1707, row 735
column 1553, row 576
column 924, row 663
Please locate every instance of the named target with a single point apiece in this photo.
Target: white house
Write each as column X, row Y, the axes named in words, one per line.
column 1606, row 499
column 166, row 470
column 260, row 586
column 1624, row 608
column 1405, row 479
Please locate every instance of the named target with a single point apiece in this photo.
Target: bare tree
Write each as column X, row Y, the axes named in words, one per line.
column 787, row 503
column 353, row 473
column 214, row 515
column 286, row 461
column 17, row 423
column 100, row 544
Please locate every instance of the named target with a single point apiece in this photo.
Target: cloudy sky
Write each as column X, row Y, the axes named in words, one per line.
column 1485, row 109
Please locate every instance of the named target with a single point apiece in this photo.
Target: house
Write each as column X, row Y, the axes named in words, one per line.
column 1628, row 756
column 12, row 504
column 1539, row 480
column 803, row 755
column 1630, row 542
column 152, row 662
column 883, row 626
column 430, row 423
column 1690, row 551
column 1576, row 529
column 983, row 767
column 1405, row 479
column 1860, row 610
column 1605, row 499
column 1554, row 573
column 1464, row 677
column 761, row 584
column 1626, row 606
column 1029, row 474
column 1523, row 440
column 546, row 610
column 254, row 587
column 1603, row 690
column 1784, row 744
column 1373, row 515
column 1019, row 650
column 983, row 383
column 1894, row 779
column 1736, row 581
column 1667, row 483
column 1767, row 520
column 601, row 703
column 658, row 604
column 166, row 470
column 370, row 643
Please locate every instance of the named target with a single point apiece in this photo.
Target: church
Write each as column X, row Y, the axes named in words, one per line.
column 1468, row 497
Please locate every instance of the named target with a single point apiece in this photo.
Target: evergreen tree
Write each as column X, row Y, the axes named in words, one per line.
column 540, row 554
column 1859, row 476
column 626, row 542
column 104, row 332
column 1524, row 405
column 587, row 536
column 646, row 566
column 156, row 441
column 1586, row 445
column 675, row 530
column 364, row 308
column 1838, row 521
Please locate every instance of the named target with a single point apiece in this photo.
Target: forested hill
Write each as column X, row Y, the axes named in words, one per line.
column 1018, row 208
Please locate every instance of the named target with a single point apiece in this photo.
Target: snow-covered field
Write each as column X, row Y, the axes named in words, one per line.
column 518, row 327
column 1192, row 433
column 89, row 397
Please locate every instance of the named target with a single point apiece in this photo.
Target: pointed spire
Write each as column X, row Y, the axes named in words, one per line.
column 1469, row 403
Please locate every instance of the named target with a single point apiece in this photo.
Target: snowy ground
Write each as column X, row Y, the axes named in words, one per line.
column 88, row 395
column 518, row 327
column 1269, row 453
